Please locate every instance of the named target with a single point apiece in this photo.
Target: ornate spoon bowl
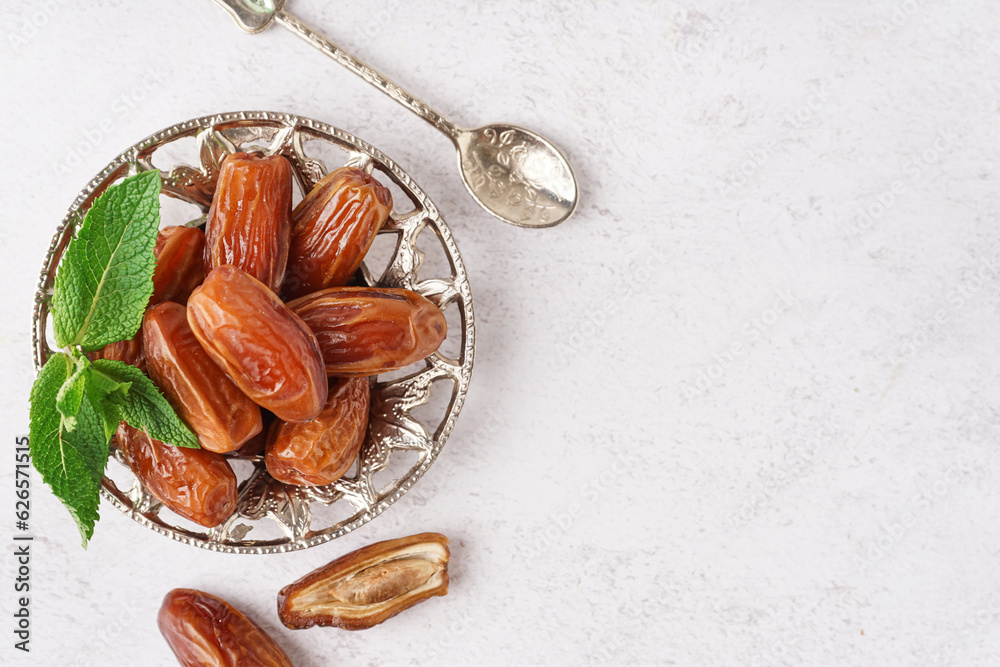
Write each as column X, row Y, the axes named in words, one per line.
column 401, row 445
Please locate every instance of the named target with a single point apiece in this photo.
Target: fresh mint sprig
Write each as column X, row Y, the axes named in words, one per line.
column 101, row 290
column 106, row 276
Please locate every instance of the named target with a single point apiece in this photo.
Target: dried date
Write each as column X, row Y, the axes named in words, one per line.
column 267, row 350
column 254, row 447
column 128, row 351
column 322, row 450
column 368, row 586
column 206, row 631
column 332, row 229
column 195, row 483
column 180, row 264
column 249, row 223
column 366, row 331
column 221, row 415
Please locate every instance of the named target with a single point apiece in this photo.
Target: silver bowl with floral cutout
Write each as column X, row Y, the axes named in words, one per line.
column 401, row 445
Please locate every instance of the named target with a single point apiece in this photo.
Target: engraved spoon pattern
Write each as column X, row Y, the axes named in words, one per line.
column 513, row 173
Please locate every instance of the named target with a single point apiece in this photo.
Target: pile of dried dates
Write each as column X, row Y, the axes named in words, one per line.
column 256, row 337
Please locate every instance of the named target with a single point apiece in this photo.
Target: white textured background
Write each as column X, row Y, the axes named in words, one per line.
column 741, row 409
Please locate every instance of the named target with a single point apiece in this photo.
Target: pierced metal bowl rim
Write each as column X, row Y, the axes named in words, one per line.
column 129, row 157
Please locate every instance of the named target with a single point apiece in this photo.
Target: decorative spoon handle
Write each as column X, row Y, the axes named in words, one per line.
column 370, row 75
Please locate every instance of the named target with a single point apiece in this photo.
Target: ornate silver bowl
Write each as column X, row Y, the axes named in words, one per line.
column 401, row 445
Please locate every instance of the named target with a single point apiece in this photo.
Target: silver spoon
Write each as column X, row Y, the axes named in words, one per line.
column 512, row 172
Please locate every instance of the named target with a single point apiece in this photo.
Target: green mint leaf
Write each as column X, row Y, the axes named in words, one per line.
column 102, row 386
column 105, row 278
column 107, row 396
column 145, row 408
column 70, row 394
column 108, row 415
column 70, row 462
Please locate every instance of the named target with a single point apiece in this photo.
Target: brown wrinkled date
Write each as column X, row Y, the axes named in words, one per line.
column 206, row 631
column 332, row 229
column 255, row 445
column 322, row 450
column 128, row 351
column 269, row 352
column 221, row 415
column 368, row 586
column 365, row 331
column 180, row 264
column 249, row 224
column 195, row 483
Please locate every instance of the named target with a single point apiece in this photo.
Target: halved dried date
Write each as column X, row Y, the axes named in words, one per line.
column 368, row 586
column 366, row 331
column 206, row 631
column 332, row 229
column 267, row 350
column 249, row 224
column 180, row 264
column 195, row 483
column 221, row 415
column 322, row 450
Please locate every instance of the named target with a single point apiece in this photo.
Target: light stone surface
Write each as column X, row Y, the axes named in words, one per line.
column 741, row 409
